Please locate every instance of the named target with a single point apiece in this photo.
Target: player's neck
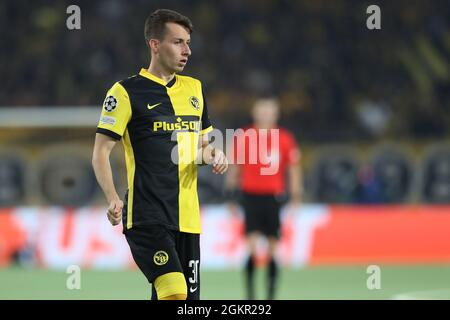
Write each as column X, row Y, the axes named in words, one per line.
column 264, row 126
column 159, row 72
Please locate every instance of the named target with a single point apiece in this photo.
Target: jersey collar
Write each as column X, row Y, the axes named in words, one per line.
column 144, row 72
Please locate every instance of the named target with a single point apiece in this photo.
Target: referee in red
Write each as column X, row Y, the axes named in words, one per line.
column 263, row 156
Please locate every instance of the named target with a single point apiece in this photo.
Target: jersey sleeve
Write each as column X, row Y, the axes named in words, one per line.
column 206, row 123
column 116, row 112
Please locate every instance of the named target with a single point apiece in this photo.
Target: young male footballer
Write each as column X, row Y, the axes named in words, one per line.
column 162, row 119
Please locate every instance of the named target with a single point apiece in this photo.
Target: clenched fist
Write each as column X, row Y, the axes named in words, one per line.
column 115, row 211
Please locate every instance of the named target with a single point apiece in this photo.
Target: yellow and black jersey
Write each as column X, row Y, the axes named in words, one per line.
column 160, row 124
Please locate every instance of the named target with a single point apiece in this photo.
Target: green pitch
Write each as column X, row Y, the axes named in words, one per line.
column 397, row 282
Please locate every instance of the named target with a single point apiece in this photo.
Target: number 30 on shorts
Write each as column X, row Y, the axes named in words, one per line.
column 194, row 278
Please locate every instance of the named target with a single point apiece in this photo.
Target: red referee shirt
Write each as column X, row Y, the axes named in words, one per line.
column 263, row 159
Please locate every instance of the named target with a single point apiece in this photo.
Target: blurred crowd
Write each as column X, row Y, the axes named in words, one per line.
column 337, row 80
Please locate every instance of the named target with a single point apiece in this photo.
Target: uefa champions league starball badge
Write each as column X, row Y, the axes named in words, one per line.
column 110, row 103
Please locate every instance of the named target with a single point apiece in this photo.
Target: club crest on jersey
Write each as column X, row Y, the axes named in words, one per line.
column 110, row 103
column 160, row 258
column 194, row 102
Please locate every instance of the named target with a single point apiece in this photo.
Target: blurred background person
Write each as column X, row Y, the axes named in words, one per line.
column 262, row 192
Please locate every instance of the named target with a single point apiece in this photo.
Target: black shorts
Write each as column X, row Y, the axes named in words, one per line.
column 158, row 250
column 262, row 213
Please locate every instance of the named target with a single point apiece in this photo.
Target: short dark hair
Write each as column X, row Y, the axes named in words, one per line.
column 155, row 23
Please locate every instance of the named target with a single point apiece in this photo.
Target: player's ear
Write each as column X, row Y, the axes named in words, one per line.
column 154, row 45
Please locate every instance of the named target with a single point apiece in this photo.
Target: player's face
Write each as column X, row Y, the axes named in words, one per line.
column 265, row 113
column 174, row 48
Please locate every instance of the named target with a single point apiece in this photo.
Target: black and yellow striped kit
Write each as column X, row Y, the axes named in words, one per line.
column 160, row 125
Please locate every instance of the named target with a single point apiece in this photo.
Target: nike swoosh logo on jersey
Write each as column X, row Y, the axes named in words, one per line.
column 192, row 290
column 150, row 107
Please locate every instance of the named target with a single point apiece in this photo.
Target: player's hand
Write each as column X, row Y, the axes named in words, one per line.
column 294, row 203
column 219, row 161
column 115, row 211
column 233, row 208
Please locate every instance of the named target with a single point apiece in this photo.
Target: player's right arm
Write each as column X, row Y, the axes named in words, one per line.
column 295, row 175
column 103, row 172
column 232, row 178
column 232, row 189
column 234, row 171
column 116, row 114
column 232, row 181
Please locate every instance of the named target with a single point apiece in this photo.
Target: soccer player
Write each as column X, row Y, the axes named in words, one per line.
column 262, row 184
column 162, row 119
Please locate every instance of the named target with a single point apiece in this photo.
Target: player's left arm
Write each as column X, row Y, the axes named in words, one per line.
column 208, row 153
column 295, row 183
column 295, row 175
column 212, row 155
